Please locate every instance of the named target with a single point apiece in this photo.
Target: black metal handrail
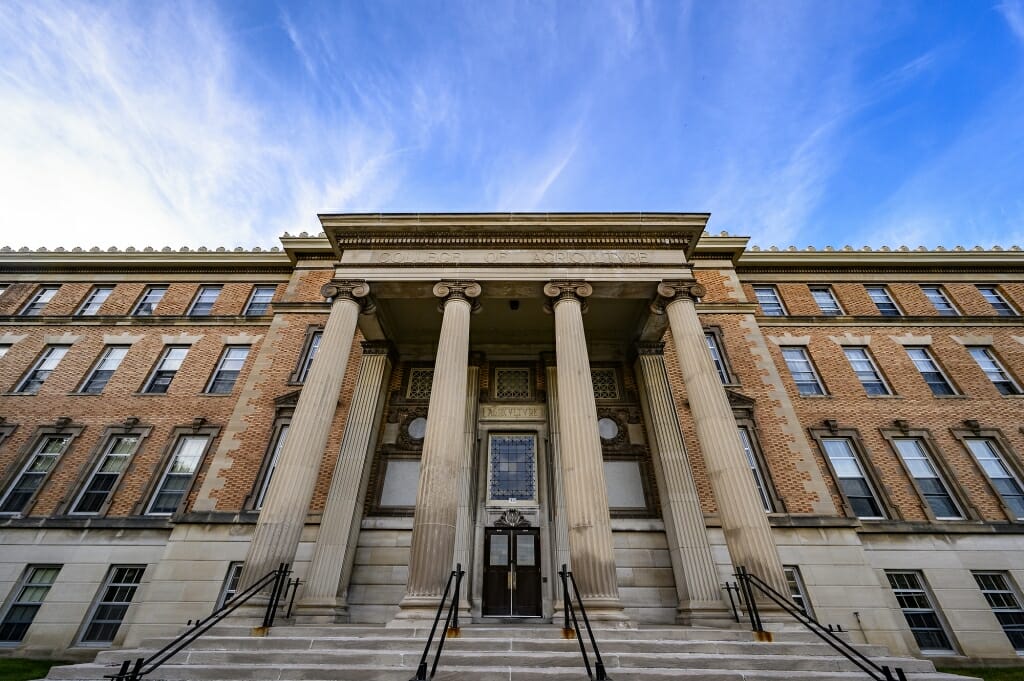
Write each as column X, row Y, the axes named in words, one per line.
column 569, row 611
column 451, row 625
column 277, row 580
column 749, row 581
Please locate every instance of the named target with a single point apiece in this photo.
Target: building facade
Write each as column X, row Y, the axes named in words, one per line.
column 621, row 393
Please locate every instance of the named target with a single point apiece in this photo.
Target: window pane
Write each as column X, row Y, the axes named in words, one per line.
column 768, row 299
column 183, row 464
column 112, row 604
column 800, row 367
column 920, row 614
column 512, row 468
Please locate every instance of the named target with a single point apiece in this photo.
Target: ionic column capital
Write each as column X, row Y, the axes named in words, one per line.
column 557, row 291
column 356, row 290
column 449, row 290
column 672, row 290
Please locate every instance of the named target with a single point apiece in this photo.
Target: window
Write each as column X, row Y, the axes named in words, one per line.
column 28, row 482
column 930, row 371
column 307, row 359
column 202, row 305
column 768, row 299
column 36, row 303
column 28, row 595
column 852, row 480
column 168, row 365
column 513, row 468
column 917, row 607
column 883, row 301
column 748, row 449
column 41, row 370
column 799, row 364
column 929, row 482
column 1006, row 484
column 98, row 489
column 797, row 591
column 230, row 588
column 606, row 383
column 108, row 363
column 943, row 305
column 259, row 301
column 3, row 350
column 997, row 301
column 420, row 381
column 188, row 450
column 149, row 300
column 1005, row 603
column 986, row 359
column 95, row 299
column 716, row 357
column 864, row 366
column 513, row 383
column 111, row 604
column 282, row 433
column 230, row 365
column 826, row 300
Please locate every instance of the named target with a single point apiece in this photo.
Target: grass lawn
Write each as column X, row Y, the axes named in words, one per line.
column 988, row 673
column 16, row 669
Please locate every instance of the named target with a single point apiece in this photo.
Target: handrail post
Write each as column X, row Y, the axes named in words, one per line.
column 421, row 669
column 753, row 613
column 732, row 601
column 598, row 662
column 565, row 599
column 136, row 672
column 455, row 599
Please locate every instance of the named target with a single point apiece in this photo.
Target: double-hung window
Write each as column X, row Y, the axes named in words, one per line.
column 748, row 449
column 922, row 618
column 826, row 300
column 230, row 586
column 183, row 463
column 929, row 481
column 111, row 604
column 797, row 591
column 997, row 301
column 230, row 365
column 768, row 299
column 988, row 362
column 993, row 463
column 307, row 358
column 863, row 365
column 109, row 469
column 883, row 301
column 165, row 369
column 202, row 304
column 35, row 471
column 149, row 300
column 943, row 305
column 799, row 364
column 716, row 357
column 931, row 372
column 37, row 302
column 275, row 454
column 41, row 370
column 259, row 301
column 1005, row 603
column 94, row 301
column 853, row 482
column 28, row 597
column 101, row 373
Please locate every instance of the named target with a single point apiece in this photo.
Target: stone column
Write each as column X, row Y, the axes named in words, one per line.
column 561, row 530
column 747, row 532
column 437, row 497
column 700, row 595
column 287, row 502
column 586, row 495
column 464, row 518
column 324, row 593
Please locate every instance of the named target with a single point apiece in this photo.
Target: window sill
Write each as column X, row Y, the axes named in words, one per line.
column 20, row 394
column 885, row 397
column 817, row 397
column 77, row 393
column 150, row 394
column 952, row 397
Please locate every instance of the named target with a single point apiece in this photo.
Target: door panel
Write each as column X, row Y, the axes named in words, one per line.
column 512, row 573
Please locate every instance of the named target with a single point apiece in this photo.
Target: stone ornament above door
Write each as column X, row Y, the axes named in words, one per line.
column 512, row 518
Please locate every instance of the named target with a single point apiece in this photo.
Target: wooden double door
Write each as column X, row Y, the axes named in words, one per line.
column 512, row 580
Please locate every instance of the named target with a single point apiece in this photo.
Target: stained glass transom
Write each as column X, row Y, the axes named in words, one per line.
column 512, row 384
column 513, row 468
column 419, row 384
column 606, row 386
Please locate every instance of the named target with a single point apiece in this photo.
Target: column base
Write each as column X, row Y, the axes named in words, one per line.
column 415, row 611
column 705, row 614
column 321, row 611
column 605, row 613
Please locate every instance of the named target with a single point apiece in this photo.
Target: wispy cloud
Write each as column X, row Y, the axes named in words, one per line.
column 1013, row 12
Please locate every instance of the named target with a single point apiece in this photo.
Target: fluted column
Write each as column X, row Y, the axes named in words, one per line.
column 464, row 518
column 287, row 502
column 561, row 545
column 700, row 596
column 437, row 497
column 586, row 496
column 324, row 593
column 747, row 532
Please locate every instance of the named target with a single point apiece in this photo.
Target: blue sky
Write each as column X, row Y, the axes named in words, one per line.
column 805, row 123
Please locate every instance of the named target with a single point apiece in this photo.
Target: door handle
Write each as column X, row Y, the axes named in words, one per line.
column 511, row 580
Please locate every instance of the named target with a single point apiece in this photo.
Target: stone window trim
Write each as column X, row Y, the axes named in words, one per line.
column 296, row 377
column 64, row 426
column 881, row 490
column 1010, row 458
column 716, row 333
column 384, row 458
column 407, row 382
column 745, row 419
column 130, row 427
column 615, row 371
column 282, row 419
column 492, row 383
column 953, row 486
column 197, row 427
column 6, row 430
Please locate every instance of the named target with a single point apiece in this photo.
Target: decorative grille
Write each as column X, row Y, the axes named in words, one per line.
column 513, row 468
column 512, row 384
column 419, row 384
column 606, row 385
